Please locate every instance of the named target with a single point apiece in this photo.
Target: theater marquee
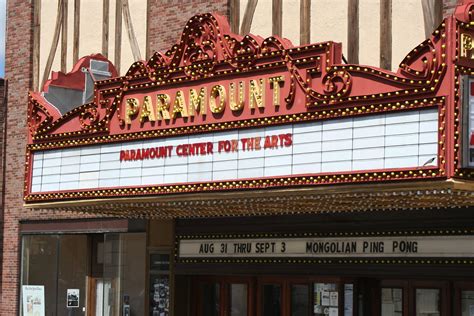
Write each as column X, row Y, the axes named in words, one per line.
column 224, row 112
column 335, row 247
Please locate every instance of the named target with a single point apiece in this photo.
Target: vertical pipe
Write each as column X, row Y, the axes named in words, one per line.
column 305, row 22
column 118, row 35
column 36, row 43
column 77, row 29
column 105, row 28
column 353, row 32
column 386, row 34
column 64, row 37
column 277, row 17
column 234, row 13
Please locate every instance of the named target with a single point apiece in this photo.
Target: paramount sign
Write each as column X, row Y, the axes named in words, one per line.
column 224, row 111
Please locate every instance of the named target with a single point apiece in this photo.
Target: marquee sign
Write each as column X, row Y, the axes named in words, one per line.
column 220, row 111
column 330, row 247
column 396, row 140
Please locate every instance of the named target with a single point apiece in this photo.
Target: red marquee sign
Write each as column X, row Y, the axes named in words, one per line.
column 213, row 80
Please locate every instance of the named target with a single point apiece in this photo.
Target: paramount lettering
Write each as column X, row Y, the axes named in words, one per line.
column 207, row 148
column 146, row 153
column 187, row 103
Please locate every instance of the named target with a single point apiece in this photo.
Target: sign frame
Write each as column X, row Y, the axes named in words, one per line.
column 322, row 87
column 342, row 258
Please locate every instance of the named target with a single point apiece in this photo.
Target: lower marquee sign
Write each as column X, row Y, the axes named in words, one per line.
column 377, row 142
column 370, row 247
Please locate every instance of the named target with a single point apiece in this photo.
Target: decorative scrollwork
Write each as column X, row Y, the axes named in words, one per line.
column 38, row 116
column 337, row 83
column 89, row 116
column 205, row 42
column 274, row 44
column 421, row 63
column 245, row 51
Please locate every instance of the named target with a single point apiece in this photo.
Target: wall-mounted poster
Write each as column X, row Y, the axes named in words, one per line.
column 72, row 298
column 33, row 300
column 333, row 311
column 161, row 294
column 126, row 305
column 348, row 299
column 159, row 284
column 326, row 299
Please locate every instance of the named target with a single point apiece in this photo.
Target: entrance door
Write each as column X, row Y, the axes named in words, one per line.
column 227, row 296
column 464, row 298
column 419, row 298
column 98, row 293
column 272, row 296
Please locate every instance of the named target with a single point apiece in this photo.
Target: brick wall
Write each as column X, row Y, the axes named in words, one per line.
column 3, row 106
column 18, row 72
column 166, row 19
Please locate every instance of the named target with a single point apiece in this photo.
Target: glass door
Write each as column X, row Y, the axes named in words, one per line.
column 464, row 298
column 304, row 296
column 430, row 298
column 271, row 299
column 223, row 296
column 411, row 297
column 300, row 299
column 238, row 295
column 272, row 296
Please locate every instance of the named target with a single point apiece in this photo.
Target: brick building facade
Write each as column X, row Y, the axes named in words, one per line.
column 166, row 20
column 18, row 64
column 3, row 107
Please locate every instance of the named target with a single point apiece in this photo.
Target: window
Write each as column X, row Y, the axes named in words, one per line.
column 272, row 300
column 238, row 299
column 427, row 302
column 210, row 304
column 467, row 303
column 392, row 302
column 39, row 267
column 300, row 302
column 106, row 271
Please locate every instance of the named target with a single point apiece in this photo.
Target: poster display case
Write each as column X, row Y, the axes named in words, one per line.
column 159, row 284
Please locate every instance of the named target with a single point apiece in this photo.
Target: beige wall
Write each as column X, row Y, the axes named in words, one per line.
column 91, row 31
column 329, row 22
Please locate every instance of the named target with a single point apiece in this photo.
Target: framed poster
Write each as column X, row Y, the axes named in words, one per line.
column 33, row 300
column 72, row 298
column 159, row 283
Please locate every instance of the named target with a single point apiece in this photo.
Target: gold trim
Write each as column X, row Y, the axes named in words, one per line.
column 441, row 194
column 209, row 196
column 349, row 260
